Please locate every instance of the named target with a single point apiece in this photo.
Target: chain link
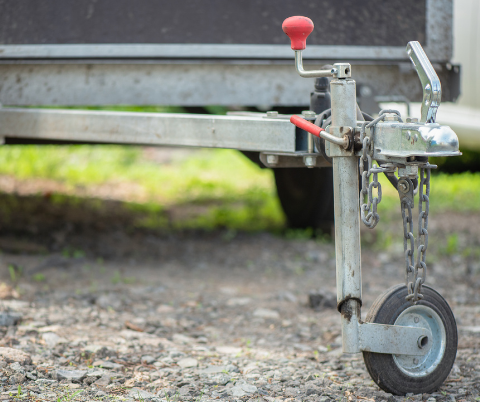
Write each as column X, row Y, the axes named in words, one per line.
column 416, row 271
column 368, row 210
column 417, row 274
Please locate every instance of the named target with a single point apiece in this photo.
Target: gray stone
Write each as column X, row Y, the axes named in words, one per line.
column 140, row 394
column 186, row 390
column 45, row 381
column 14, row 355
column 182, row 339
column 188, row 362
column 17, row 378
column 107, row 364
column 238, row 301
column 175, row 353
column 231, row 368
column 221, row 379
column 266, row 313
column 109, row 301
column 292, row 392
column 322, row 299
column 237, row 391
column 312, row 391
column 288, row 296
column 7, row 319
column 51, row 339
column 213, row 370
column 31, row 376
column 103, row 381
column 92, row 348
column 96, row 373
column 249, row 388
column 148, row 359
column 15, row 366
column 228, row 350
column 71, row 375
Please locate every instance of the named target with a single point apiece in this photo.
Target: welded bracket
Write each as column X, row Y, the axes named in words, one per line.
column 394, row 339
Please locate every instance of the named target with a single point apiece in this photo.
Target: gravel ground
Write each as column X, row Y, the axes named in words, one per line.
column 208, row 316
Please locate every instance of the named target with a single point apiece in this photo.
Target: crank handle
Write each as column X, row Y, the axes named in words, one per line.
column 319, row 132
column 297, row 29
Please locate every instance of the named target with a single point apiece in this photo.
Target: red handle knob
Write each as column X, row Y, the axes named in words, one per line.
column 298, row 28
column 305, row 125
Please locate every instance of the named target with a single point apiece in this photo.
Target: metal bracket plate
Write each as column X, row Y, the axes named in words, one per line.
column 393, row 339
column 333, row 150
column 297, row 160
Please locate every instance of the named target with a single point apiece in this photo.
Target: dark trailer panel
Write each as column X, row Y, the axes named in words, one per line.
column 194, row 53
column 339, row 23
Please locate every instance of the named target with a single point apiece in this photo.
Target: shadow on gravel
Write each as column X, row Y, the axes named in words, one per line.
column 54, row 222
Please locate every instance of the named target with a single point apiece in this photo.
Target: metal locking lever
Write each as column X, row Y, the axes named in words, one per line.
column 320, row 132
column 432, row 89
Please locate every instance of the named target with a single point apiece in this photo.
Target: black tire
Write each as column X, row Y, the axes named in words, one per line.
column 306, row 196
column 384, row 369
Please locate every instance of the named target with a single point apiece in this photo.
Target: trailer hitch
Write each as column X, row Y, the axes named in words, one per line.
column 410, row 331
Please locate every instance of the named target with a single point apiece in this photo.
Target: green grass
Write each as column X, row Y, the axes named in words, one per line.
column 449, row 192
column 213, row 188
column 227, row 189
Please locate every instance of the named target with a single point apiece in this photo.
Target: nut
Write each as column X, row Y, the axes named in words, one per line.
column 272, row 159
column 403, row 186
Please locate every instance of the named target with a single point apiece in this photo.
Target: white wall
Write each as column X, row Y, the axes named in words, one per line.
column 466, row 49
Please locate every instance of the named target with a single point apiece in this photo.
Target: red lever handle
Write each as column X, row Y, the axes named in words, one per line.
column 305, row 125
column 298, row 28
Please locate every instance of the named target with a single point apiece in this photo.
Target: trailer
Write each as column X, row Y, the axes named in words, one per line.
column 113, row 52
column 235, row 54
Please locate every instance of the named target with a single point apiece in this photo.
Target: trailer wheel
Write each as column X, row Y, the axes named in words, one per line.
column 402, row 374
column 306, row 196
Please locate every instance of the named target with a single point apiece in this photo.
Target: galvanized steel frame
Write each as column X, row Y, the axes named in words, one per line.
column 247, row 133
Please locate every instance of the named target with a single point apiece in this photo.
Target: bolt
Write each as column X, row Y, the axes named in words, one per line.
column 408, row 135
column 272, row 113
column 309, row 161
column 308, row 114
column 416, row 319
column 272, row 159
column 415, row 361
column 403, row 186
column 415, row 137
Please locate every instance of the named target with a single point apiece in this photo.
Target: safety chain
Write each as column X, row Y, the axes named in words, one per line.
column 369, row 214
column 416, row 274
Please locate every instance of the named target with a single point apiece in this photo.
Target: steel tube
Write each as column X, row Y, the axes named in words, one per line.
column 347, row 220
column 313, row 73
column 211, row 131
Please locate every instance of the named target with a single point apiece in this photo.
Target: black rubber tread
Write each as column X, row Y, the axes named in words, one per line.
column 383, row 369
column 306, row 196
